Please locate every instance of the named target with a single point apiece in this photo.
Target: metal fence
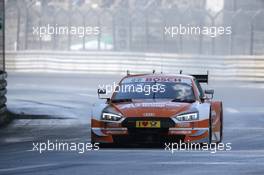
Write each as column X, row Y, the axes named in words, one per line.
column 140, row 30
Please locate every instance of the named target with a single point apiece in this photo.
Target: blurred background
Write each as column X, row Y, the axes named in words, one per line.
column 138, row 25
column 132, row 37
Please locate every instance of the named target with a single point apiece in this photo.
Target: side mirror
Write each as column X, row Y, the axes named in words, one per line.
column 101, row 91
column 210, row 92
column 102, row 94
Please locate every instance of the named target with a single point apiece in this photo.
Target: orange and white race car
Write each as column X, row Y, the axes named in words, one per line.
column 150, row 108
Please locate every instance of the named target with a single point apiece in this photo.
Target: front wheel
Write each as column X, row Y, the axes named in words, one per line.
column 221, row 125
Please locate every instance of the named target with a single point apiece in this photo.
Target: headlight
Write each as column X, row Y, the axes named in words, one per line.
column 187, row 117
column 111, row 114
column 111, row 117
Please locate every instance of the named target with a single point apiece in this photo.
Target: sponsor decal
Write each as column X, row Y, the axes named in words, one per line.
column 149, row 105
column 157, row 80
column 148, row 114
column 184, row 125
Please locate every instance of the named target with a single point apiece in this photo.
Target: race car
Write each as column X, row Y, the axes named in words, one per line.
column 158, row 108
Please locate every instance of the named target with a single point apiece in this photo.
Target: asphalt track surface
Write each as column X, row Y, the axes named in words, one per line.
column 56, row 107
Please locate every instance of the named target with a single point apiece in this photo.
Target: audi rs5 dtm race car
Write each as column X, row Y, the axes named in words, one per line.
column 158, row 108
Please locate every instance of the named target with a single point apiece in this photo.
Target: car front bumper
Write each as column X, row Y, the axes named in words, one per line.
column 126, row 132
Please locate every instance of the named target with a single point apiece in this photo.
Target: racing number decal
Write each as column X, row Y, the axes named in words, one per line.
column 147, row 124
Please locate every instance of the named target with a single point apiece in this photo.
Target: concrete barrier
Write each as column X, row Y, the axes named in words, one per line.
column 241, row 68
column 3, row 109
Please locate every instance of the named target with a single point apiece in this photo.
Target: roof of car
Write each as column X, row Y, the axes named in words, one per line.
column 161, row 75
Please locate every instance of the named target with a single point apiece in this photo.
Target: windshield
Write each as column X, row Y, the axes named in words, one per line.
column 152, row 90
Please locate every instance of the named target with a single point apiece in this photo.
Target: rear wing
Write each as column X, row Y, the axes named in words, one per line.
column 201, row 78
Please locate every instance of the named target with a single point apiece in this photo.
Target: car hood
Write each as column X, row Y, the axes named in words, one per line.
column 151, row 108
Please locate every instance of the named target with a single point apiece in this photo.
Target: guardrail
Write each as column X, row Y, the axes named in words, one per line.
column 241, row 68
column 3, row 109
